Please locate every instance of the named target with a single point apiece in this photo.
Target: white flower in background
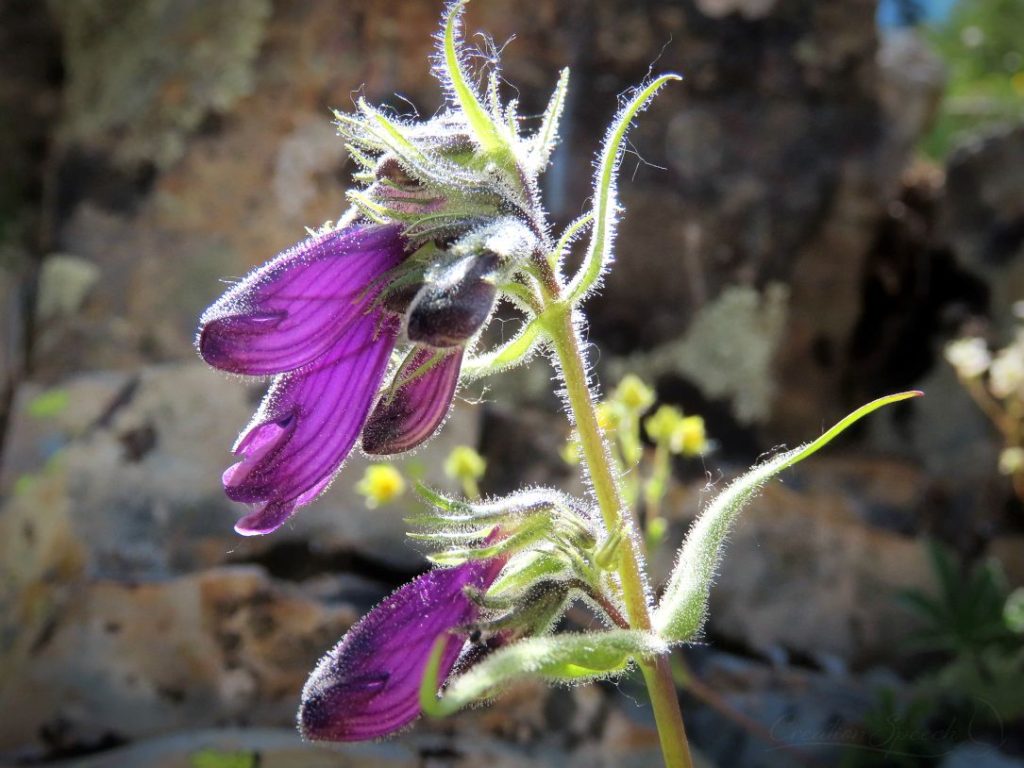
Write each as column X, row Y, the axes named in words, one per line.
column 970, row 357
column 1006, row 374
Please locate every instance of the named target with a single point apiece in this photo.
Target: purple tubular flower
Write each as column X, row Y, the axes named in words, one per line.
column 417, row 408
column 295, row 308
column 368, row 685
column 324, row 319
column 310, row 316
column 308, row 423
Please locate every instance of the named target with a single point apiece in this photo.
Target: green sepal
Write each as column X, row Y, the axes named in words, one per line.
column 683, row 606
column 532, row 530
column 527, row 569
column 564, row 658
column 519, row 349
column 543, row 143
column 535, row 612
column 483, row 126
column 449, row 537
column 602, row 237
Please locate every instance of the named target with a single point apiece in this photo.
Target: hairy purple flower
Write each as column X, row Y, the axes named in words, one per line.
column 315, row 318
column 368, row 685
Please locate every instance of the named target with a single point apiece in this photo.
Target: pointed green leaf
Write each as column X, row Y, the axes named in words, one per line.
column 516, row 350
column 480, row 122
column 546, row 139
column 602, row 238
column 682, row 608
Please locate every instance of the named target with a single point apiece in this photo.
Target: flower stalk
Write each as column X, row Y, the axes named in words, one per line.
column 571, row 365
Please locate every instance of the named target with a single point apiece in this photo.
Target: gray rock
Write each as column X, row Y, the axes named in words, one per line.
column 982, row 216
column 64, row 283
column 912, row 80
column 246, row 748
column 803, row 572
column 978, row 756
column 94, row 659
column 136, row 462
column 774, row 717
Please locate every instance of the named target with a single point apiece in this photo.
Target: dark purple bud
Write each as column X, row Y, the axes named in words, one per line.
column 368, row 686
column 453, row 305
column 397, row 300
column 412, row 413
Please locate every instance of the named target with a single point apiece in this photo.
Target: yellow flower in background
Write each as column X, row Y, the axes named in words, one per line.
column 464, row 463
column 633, row 394
column 661, row 425
column 381, row 484
column 691, row 436
column 681, row 434
column 608, row 416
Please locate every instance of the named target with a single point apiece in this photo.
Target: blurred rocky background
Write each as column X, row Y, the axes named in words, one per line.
column 834, row 192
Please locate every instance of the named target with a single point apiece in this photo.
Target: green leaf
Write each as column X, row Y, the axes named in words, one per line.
column 557, row 256
column 602, row 237
column 480, row 122
column 215, row 758
column 527, row 569
column 681, row 611
column 518, row 349
column 546, row 139
column 567, row 657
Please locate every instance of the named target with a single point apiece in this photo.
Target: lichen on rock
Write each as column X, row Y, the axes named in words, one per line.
column 728, row 350
column 142, row 76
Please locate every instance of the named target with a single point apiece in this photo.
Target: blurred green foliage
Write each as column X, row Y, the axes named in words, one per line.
column 212, row 758
column 51, row 403
column 972, row 621
column 982, row 44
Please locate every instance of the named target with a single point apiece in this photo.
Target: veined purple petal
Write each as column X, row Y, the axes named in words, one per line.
column 307, row 425
column 368, row 685
column 414, row 412
column 292, row 310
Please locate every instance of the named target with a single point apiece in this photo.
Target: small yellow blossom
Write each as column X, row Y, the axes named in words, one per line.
column 608, row 416
column 571, row 451
column 633, row 394
column 1018, row 83
column 381, row 484
column 682, row 434
column 464, row 463
column 691, row 436
column 663, row 423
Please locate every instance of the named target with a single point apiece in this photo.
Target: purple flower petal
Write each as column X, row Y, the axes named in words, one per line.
column 368, row 685
column 307, row 425
column 416, row 410
column 292, row 310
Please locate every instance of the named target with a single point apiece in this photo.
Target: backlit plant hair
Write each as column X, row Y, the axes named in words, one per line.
column 369, row 326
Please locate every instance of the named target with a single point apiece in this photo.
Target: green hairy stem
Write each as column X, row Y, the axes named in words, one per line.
column 571, row 364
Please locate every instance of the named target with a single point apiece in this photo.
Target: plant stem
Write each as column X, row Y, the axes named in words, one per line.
column 657, row 674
